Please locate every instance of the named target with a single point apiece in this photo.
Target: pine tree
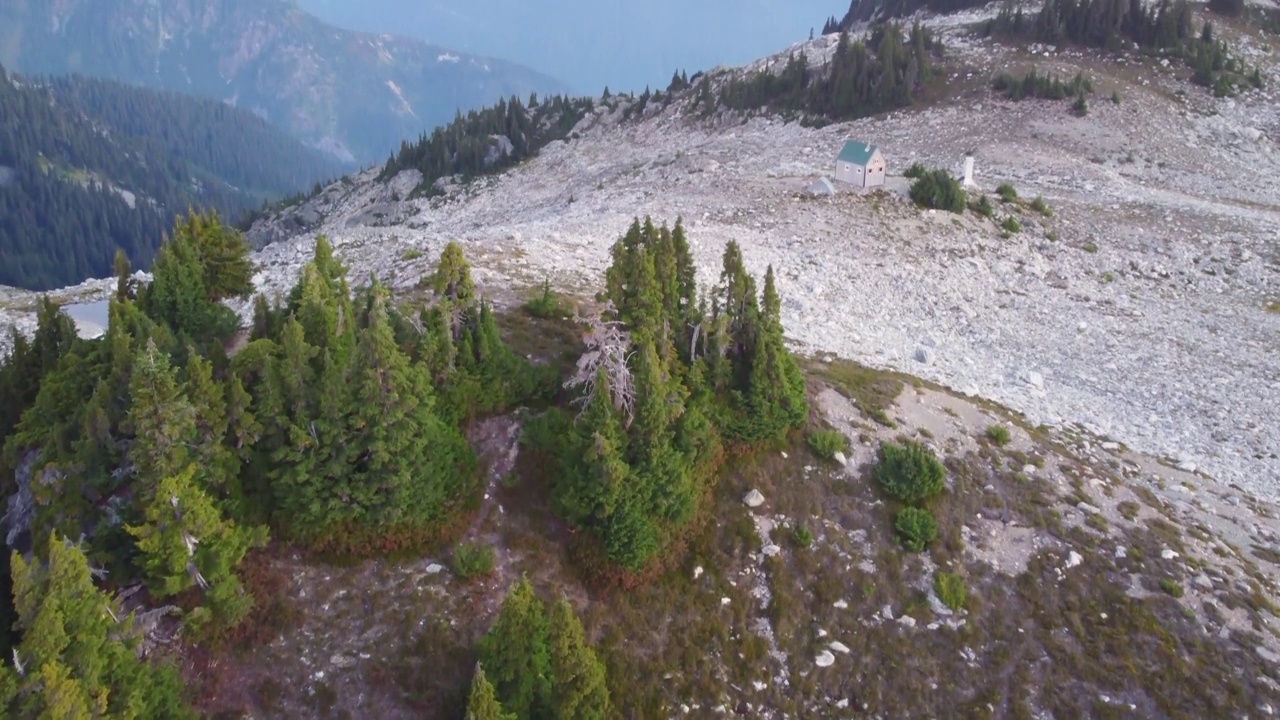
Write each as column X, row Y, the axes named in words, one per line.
column 186, row 543
column 517, row 654
column 405, row 461
column 776, row 391
column 79, row 647
column 590, row 495
column 201, row 265
column 578, row 685
column 483, row 703
column 452, row 280
column 219, row 464
column 161, row 418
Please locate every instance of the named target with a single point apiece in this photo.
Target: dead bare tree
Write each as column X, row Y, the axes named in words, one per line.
column 609, row 348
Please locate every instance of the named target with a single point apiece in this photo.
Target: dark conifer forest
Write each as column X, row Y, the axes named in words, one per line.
column 89, row 166
column 864, row 78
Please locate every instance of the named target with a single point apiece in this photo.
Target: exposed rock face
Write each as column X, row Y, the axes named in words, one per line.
column 353, row 95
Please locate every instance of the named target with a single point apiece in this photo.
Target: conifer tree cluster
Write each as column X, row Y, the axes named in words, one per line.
column 1164, row 28
column 535, row 664
column 467, row 145
column 78, row 655
column 862, row 79
column 665, row 382
column 338, row 425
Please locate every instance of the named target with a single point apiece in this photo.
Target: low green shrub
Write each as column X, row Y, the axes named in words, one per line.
column 547, row 305
column 1011, row 225
column 915, row 171
column 909, row 472
column 1115, row 96
column 826, row 443
column 1170, row 587
column 998, row 434
column 950, row 590
column 1007, row 193
column 473, row 561
column 982, row 206
column 916, row 528
column 802, row 537
column 937, row 189
column 1081, row 106
column 411, row 254
column 1040, row 206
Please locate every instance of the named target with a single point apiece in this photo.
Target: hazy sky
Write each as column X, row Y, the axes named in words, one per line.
column 593, row 43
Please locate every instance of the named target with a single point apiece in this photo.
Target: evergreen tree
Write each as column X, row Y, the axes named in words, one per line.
column 578, row 685
column 590, row 489
column 776, row 391
column 186, row 543
column 517, row 653
column 482, row 703
column 218, row 463
column 452, row 280
column 405, row 465
column 79, row 647
column 162, row 419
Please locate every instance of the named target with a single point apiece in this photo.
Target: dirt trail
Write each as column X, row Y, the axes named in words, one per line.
column 497, row 441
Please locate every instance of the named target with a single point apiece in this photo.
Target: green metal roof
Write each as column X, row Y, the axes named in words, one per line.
column 856, row 152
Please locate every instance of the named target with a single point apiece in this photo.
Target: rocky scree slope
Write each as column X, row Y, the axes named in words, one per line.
column 353, row 95
column 1143, row 309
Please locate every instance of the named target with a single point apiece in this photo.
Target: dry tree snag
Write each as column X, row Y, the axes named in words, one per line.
column 608, row 348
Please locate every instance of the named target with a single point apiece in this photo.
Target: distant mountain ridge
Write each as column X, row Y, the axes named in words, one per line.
column 353, row 95
column 88, row 166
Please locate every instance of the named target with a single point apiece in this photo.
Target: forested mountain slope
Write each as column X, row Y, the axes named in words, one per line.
column 351, row 94
column 88, row 166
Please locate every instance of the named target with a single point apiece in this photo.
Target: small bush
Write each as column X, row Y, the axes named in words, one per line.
column 937, row 189
column 950, row 590
column 802, row 537
column 826, row 443
column 547, row 305
column 916, row 528
column 1007, row 192
column 1081, row 106
column 1040, row 206
column 1170, row 587
column 982, row 207
column 1115, row 97
column 1011, row 225
column 998, row 434
column 881, row 417
column 909, row 472
column 1052, row 236
column 411, row 254
column 915, row 171
column 1090, row 247
column 473, row 561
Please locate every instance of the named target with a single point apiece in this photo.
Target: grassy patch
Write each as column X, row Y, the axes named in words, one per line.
column 951, row 590
column 826, row 443
column 1011, row 225
column 411, row 254
column 873, row 391
column 473, row 561
column 1007, row 192
column 998, row 435
column 1040, row 206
